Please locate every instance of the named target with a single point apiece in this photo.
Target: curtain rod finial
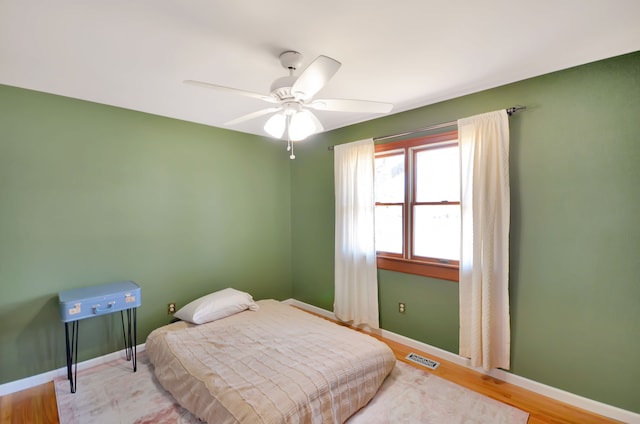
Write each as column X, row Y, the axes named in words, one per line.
column 514, row 109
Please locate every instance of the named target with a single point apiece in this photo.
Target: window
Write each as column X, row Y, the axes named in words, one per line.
column 417, row 189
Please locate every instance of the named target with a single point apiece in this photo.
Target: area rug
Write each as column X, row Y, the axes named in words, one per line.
column 111, row 393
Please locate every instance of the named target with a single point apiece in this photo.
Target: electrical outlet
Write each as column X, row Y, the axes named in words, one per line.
column 171, row 308
column 402, row 307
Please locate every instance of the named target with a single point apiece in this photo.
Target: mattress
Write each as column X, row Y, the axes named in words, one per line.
column 275, row 365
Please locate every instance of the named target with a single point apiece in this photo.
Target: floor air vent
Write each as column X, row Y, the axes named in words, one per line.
column 421, row 360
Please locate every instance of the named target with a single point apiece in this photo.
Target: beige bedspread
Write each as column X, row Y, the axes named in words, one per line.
column 275, row 365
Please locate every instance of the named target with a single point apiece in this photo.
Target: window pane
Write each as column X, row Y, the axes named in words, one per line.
column 389, row 229
column 437, row 231
column 437, row 175
column 389, row 179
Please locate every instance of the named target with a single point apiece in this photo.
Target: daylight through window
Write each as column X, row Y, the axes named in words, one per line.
column 417, row 189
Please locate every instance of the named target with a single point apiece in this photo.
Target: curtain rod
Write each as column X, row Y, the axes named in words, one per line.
column 510, row 111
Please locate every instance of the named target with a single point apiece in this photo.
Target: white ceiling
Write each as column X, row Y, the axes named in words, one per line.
column 136, row 53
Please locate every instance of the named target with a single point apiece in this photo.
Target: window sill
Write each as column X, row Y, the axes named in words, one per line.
column 425, row 269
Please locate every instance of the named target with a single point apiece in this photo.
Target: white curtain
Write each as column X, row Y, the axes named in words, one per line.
column 484, row 262
column 356, row 278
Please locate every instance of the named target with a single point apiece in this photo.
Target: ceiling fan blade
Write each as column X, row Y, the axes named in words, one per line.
column 230, row 90
column 252, row 115
column 346, row 105
column 314, row 77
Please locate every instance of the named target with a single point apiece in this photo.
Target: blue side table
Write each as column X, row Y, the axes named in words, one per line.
column 88, row 302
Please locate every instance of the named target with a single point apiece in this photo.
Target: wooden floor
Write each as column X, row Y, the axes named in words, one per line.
column 541, row 409
column 38, row 405
column 31, row 406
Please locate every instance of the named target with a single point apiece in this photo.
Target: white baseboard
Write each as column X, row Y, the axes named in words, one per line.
column 542, row 389
column 36, row 380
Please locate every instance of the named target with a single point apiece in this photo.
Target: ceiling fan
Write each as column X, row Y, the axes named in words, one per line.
column 293, row 96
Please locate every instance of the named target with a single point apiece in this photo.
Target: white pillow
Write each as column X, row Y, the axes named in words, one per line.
column 217, row 305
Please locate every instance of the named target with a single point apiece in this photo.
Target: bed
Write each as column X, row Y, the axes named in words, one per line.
column 276, row 364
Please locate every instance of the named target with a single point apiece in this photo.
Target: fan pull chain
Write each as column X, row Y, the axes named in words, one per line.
column 290, row 149
column 289, row 142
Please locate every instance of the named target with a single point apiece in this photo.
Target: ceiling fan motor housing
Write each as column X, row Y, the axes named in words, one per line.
column 281, row 88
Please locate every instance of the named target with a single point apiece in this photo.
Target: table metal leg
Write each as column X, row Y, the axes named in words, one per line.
column 130, row 337
column 72, row 353
column 125, row 333
column 134, row 342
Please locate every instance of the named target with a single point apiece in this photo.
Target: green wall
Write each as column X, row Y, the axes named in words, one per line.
column 575, row 237
column 91, row 194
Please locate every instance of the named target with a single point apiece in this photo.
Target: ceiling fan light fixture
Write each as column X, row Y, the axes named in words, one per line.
column 301, row 126
column 275, row 125
column 293, row 94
